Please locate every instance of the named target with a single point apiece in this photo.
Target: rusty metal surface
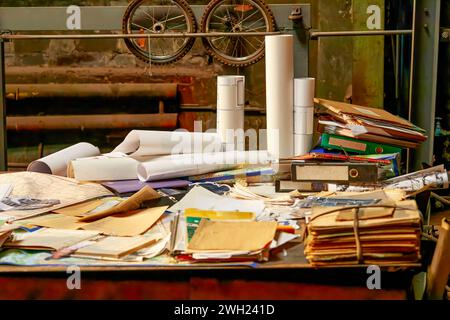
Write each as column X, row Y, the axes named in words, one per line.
column 86, row 90
column 81, row 122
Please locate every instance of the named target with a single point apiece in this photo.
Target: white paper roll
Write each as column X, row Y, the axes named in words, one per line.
column 303, row 144
column 103, row 169
column 230, row 108
column 304, row 90
column 303, row 120
column 280, row 94
column 230, row 126
column 230, row 92
column 56, row 163
column 176, row 166
column 149, row 143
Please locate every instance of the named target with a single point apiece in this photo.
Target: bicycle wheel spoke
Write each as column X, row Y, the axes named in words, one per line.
column 142, row 27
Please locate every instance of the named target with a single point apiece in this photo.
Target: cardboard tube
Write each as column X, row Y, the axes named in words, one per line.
column 304, row 89
column 230, row 108
column 303, row 144
column 280, row 95
column 303, row 120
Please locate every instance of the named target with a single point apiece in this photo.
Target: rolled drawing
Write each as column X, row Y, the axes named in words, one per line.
column 56, row 163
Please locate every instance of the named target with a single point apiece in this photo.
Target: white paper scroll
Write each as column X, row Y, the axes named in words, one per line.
column 103, row 169
column 230, row 109
column 57, row 162
column 148, row 143
column 280, row 95
column 304, row 89
column 176, row 166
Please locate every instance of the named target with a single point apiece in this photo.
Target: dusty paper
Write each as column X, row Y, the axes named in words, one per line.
column 232, row 236
column 116, row 247
column 184, row 165
column 127, row 224
column 78, row 210
column 103, row 168
column 56, row 163
column 203, row 199
column 148, row 143
column 56, row 221
column 56, row 239
column 132, row 203
column 44, row 186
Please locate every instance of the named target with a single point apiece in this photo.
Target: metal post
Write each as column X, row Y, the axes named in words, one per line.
column 425, row 70
column 3, row 146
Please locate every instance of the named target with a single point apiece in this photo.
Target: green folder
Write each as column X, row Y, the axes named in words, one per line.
column 335, row 142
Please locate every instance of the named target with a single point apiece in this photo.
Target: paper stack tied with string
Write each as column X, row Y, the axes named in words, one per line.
column 385, row 234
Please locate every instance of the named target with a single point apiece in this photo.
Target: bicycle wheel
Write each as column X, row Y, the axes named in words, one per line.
column 158, row 17
column 237, row 16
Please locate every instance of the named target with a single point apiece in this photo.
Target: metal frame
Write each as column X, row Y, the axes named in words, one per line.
column 109, row 18
column 424, row 74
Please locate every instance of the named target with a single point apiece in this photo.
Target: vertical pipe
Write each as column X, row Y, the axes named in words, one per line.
column 3, row 147
column 411, row 79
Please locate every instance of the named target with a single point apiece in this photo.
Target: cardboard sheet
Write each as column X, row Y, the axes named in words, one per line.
column 78, row 210
column 232, row 236
column 132, row 203
column 116, row 247
column 127, row 224
column 50, row 239
column 56, row 221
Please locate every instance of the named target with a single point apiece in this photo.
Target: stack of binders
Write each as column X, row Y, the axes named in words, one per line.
column 381, row 235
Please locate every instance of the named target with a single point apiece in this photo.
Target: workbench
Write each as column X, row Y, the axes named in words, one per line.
column 288, row 275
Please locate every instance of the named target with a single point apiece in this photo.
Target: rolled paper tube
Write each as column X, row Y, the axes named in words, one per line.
column 279, row 52
column 304, row 90
column 303, row 144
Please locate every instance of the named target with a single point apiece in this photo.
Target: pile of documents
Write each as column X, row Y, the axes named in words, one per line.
column 365, row 130
column 387, row 232
column 359, row 147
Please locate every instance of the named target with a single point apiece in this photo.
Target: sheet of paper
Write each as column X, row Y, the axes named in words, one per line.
column 127, row 224
column 46, row 239
column 56, row 163
column 5, row 190
column 78, row 210
column 200, row 198
column 116, row 247
column 232, row 236
column 148, row 143
column 282, row 238
column 127, row 186
column 103, row 168
column 56, row 221
column 154, row 250
column 44, row 186
column 132, row 203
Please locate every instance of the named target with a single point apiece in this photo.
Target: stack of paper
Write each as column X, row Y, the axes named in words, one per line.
column 384, row 235
column 225, row 240
column 377, row 127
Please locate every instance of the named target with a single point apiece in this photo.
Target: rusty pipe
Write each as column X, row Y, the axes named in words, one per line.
column 89, row 90
column 98, row 121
